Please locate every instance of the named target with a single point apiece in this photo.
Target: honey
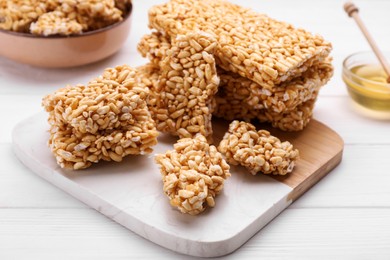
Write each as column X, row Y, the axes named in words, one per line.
column 367, row 86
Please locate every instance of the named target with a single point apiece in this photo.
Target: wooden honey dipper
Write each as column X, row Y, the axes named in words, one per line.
column 353, row 12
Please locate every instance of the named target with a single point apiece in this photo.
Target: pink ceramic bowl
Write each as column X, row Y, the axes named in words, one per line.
column 65, row 51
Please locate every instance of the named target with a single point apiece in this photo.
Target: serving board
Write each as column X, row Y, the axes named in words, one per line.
column 131, row 193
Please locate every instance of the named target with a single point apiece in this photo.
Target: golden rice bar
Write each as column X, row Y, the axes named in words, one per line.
column 253, row 45
column 107, row 119
column 187, row 84
column 193, row 174
column 258, row 151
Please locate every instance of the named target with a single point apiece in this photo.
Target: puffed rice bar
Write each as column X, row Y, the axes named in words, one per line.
column 250, row 44
column 193, row 174
column 110, row 112
column 258, row 151
column 187, row 84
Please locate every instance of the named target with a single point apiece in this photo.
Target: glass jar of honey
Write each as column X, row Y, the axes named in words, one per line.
column 367, row 84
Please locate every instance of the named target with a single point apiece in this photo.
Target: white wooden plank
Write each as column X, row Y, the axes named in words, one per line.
column 361, row 180
column 339, row 114
column 70, row 234
column 355, row 233
column 13, row 109
column 21, row 188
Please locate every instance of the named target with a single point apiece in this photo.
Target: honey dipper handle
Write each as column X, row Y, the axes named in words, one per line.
column 353, row 12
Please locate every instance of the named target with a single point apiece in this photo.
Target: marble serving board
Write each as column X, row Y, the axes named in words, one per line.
column 131, row 193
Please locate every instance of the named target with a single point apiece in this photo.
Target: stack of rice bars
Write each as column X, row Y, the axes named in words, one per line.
column 268, row 70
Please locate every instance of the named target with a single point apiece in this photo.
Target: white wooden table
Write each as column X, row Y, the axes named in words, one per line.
column 346, row 215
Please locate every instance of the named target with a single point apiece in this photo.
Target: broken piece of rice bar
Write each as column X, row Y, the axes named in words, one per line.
column 193, row 174
column 107, row 119
column 258, row 151
column 187, row 84
column 253, row 45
